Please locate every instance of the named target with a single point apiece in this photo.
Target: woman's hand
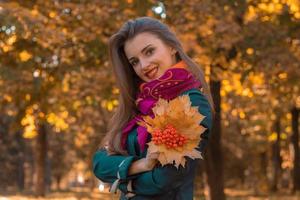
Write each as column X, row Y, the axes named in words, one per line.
column 144, row 164
column 151, row 160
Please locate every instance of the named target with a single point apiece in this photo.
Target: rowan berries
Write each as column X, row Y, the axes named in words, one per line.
column 169, row 137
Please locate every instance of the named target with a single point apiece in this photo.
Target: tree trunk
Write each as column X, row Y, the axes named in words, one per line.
column 276, row 158
column 295, row 142
column 58, row 180
column 262, row 181
column 263, row 162
column 41, row 156
column 21, row 160
column 213, row 157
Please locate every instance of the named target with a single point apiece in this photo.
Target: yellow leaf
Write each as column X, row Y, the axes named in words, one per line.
column 24, row 56
column 115, row 91
column 12, row 40
column 52, row 14
column 160, row 108
column 7, row 98
column 110, row 106
column 34, row 12
column 272, row 137
column 115, row 102
column 7, row 48
column 282, row 75
column 242, row 115
column 185, row 120
column 250, row 51
column 76, row 105
column 27, row 97
column 29, row 132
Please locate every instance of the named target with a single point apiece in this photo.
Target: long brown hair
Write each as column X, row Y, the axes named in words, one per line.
column 127, row 80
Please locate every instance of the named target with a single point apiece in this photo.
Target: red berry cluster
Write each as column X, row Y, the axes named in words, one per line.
column 169, row 137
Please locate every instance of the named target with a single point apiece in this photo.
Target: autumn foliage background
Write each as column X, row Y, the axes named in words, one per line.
column 57, row 91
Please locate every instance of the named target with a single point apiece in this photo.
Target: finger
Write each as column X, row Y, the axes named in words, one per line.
column 154, row 155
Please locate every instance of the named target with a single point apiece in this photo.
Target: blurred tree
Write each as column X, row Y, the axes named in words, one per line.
column 276, row 158
column 295, row 142
column 55, row 79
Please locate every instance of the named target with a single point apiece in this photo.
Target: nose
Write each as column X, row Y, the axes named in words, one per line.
column 144, row 64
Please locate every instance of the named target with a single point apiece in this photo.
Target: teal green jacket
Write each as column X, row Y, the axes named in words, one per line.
column 163, row 182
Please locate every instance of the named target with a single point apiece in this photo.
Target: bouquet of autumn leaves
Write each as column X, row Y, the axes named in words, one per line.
column 175, row 130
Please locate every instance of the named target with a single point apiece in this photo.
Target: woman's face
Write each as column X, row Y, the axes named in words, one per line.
column 149, row 56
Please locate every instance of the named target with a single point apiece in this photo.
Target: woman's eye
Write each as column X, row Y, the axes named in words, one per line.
column 133, row 63
column 149, row 52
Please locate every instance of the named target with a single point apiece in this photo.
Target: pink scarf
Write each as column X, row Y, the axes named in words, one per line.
column 176, row 80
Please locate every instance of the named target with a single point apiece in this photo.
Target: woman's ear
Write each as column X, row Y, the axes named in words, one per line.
column 173, row 51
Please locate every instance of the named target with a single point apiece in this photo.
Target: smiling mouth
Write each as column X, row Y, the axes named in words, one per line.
column 151, row 74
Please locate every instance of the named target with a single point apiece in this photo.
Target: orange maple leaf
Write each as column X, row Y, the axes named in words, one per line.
column 175, row 130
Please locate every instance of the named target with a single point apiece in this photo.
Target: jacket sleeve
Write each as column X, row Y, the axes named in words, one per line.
column 198, row 99
column 164, row 178
column 109, row 168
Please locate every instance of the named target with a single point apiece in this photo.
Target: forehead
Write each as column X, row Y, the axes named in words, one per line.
column 134, row 46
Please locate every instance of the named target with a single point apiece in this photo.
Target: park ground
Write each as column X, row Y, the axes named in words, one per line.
column 86, row 194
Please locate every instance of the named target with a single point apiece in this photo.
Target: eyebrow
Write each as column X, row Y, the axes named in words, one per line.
column 141, row 51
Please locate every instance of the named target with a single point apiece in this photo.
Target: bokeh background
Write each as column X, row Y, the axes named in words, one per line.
column 57, row 92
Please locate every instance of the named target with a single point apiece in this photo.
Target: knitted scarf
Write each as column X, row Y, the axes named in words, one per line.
column 176, row 80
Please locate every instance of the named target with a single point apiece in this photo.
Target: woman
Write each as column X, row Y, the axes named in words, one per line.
column 144, row 53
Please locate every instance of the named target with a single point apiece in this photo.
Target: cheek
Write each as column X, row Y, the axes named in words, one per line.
column 138, row 71
column 164, row 56
column 159, row 55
